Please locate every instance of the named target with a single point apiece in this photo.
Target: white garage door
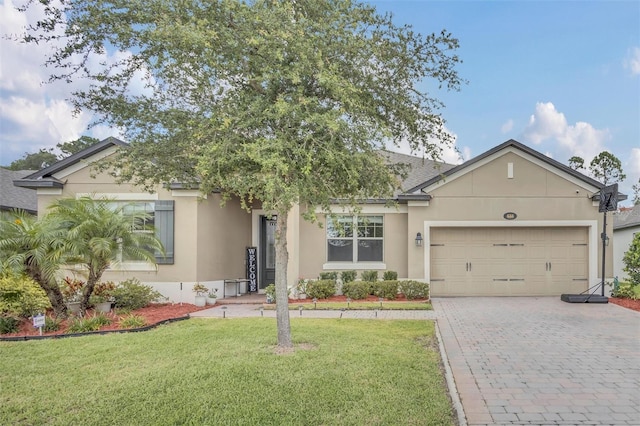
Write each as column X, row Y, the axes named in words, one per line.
column 509, row 261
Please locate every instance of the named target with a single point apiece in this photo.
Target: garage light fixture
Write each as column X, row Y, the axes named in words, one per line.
column 418, row 239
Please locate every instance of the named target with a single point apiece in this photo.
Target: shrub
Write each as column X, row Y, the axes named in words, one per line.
column 321, row 289
column 356, row 289
column 348, row 276
column 631, row 260
column 102, row 292
column 83, row 325
column 132, row 321
column 9, row 324
column 328, row 276
column 386, row 289
column 71, row 289
column 20, row 296
column 270, row 291
column 625, row 290
column 51, row 324
column 132, row 294
column 370, row 276
column 414, row 289
column 390, row 276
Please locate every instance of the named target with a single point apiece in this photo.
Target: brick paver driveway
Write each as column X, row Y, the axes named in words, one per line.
column 542, row 361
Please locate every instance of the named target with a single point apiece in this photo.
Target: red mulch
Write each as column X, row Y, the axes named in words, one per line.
column 152, row 314
column 627, row 303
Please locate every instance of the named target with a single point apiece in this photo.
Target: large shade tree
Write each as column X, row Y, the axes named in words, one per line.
column 280, row 102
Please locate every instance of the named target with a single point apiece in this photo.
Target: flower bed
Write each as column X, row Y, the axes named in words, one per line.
column 152, row 314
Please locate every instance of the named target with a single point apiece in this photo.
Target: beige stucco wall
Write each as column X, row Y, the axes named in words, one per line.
column 536, row 194
column 313, row 245
column 222, row 235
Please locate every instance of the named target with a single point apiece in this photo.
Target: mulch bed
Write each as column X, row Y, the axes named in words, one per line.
column 152, row 314
column 627, row 303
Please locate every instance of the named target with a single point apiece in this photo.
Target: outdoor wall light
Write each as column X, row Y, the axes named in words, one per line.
column 418, row 239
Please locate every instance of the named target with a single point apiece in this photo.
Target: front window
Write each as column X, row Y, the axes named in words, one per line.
column 355, row 238
column 133, row 210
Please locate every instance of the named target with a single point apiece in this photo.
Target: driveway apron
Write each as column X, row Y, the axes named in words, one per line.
column 541, row 361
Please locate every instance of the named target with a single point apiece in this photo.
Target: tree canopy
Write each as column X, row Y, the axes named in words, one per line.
column 273, row 101
column 46, row 157
column 607, row 168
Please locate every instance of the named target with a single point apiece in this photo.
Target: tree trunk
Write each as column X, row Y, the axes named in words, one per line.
column 282, row 296
column 92, row 280
column 53, row 292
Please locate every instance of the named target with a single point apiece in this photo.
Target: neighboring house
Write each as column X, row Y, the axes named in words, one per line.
column 13, row 197
column 626, row 223
column 508, row 222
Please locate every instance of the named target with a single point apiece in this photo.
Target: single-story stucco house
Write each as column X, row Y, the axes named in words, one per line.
column 509, row 222
column 626, row 223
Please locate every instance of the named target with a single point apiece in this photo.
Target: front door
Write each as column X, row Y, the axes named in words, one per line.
column 267, row 251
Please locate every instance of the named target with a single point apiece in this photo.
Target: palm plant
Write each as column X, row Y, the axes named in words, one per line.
column 34, row 247
column 98, row 232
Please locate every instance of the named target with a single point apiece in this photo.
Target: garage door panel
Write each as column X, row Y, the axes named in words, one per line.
column 510, row 261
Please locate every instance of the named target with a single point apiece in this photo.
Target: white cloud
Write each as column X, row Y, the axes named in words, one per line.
column 581, row 139
column 632, row 61
column 35, row 114
column 507, row 126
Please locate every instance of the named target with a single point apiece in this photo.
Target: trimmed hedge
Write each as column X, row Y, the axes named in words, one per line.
column 348, row 276
column 328, row 276
column 414, row 289
column 321, row 289
column 390, row 276
column 386, row 289
column 371, row 276
column 356, row 289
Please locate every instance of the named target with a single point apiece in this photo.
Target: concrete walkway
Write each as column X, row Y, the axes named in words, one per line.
column 525, row 360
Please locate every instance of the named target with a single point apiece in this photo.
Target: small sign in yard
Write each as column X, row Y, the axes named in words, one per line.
column 38, row 322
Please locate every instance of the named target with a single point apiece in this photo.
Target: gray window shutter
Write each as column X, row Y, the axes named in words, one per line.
column 164, row 218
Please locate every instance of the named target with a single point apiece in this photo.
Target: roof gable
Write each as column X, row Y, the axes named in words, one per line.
column 46, row 178
column 509, row 146
column 627, row 218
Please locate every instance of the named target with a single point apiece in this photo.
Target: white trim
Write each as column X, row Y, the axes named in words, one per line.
column 417, row 203
column 366, row 209
column 354, row 265
column 187, row 193
column 592, row 225
column 49, row 191
column 87, row 162
column 520, row 153
column 120, row 196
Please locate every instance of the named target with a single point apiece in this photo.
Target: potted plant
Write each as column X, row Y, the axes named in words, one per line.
column 102, row 296
column 201, row 294
column 301, row 288
column 72, row 293
column 270, row 291
column 212, row 296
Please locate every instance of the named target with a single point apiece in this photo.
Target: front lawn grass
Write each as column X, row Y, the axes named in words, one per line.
column 227, row 372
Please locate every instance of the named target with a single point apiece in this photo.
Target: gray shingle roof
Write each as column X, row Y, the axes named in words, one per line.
column 627, row 218
column 12, row 197
column 419, row 171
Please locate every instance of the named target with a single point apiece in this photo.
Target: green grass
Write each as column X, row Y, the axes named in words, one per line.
column 355, row 306
column 227, row 372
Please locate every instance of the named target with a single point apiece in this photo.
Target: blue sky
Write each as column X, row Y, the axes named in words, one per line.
column 563, row 77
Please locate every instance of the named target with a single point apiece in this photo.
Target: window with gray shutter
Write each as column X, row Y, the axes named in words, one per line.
column 164, row 218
